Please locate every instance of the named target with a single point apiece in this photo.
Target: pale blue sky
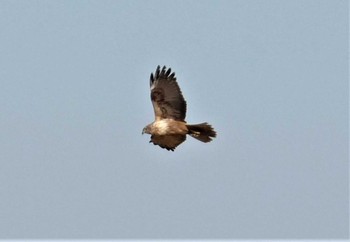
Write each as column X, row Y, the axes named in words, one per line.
column 270, row 76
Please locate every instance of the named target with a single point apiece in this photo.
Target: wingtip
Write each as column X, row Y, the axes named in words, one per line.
column 162, row 73
column 157, row 72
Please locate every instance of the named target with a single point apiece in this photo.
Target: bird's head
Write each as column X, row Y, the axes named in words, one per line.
column 146, row 130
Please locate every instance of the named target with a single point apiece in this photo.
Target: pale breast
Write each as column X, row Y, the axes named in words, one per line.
column 168, row 127
column 161, row 127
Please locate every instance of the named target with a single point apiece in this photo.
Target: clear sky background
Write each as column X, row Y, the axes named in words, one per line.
column 270, row 76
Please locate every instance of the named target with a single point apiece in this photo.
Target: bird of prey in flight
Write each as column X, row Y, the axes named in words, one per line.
column 169, row 128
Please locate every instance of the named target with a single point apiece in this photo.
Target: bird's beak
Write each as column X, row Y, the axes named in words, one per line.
column 143, row 131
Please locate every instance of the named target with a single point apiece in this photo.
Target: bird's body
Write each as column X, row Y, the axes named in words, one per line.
column 170, row 128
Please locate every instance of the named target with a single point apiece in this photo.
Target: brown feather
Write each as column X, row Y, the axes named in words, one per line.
column 166, row 96
column 169, row 142
column 203, row 132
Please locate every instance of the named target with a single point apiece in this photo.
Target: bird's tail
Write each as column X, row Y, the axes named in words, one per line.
column 203, row 132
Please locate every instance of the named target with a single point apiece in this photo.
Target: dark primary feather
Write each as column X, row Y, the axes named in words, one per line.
column 166, row 95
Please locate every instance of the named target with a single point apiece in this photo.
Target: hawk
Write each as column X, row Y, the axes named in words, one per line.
column 169, row 128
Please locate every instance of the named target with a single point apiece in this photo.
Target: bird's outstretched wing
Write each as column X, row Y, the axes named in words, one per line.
column 169, row 142
column 166, row 95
